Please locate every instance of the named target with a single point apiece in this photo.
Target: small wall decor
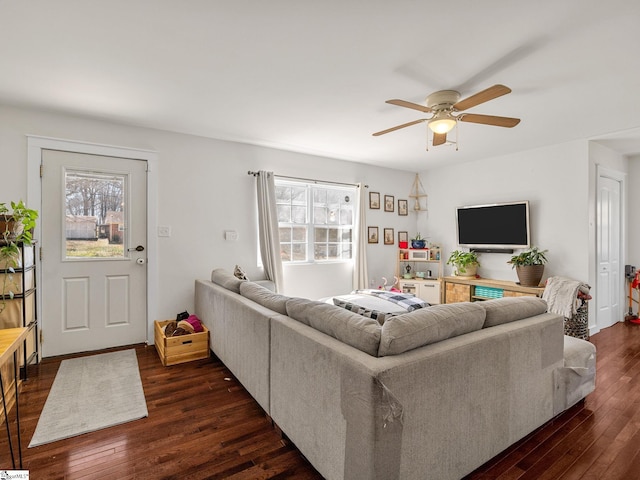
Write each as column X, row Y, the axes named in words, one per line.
column 388, row 203
column 419, row 195
column 403, row 238
column 388, row 236
column 374, row 200
column 372, row 234
column 403, row 207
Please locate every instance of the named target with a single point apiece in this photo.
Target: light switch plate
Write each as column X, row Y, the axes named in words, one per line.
column 231, row 235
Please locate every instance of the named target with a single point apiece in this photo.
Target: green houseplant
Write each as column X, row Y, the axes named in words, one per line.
column 529, row 265
column 464, row 263
column 16, row 227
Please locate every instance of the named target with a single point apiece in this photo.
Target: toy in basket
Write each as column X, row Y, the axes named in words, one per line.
column 181, row 341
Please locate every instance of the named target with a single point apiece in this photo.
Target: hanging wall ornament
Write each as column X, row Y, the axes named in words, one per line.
column 418, row 195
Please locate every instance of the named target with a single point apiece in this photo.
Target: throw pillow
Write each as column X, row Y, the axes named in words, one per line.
column 238, row 272
column 365, row 312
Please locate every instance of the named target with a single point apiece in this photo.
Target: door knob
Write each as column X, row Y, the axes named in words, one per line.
column 139, row 248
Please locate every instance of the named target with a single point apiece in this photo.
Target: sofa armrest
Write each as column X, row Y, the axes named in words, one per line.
column 577, row 378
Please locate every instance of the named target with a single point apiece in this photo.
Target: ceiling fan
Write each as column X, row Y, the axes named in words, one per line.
column 446, row 105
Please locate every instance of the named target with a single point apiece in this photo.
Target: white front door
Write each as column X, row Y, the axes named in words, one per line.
column 94, row 273
column 609, row 234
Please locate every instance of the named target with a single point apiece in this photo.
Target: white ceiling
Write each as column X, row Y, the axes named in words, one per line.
column 313, row 76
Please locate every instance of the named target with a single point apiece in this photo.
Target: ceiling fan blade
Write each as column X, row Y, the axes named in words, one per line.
column 439, row 139
column 404, row 103
column 489, row 120
column 398, row 127
column 481, row 97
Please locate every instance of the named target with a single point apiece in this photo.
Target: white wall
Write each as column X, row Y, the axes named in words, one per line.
column 334, row 279
column 633, row 230
column 204, row 190
column 560, row 184
column 555, row 182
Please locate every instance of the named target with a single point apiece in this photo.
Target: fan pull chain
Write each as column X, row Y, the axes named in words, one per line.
column 428, row 130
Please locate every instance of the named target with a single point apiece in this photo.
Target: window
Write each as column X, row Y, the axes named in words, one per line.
column 315, row 221
column 95, row 205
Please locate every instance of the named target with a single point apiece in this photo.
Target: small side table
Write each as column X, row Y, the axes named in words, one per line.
column 10, row 340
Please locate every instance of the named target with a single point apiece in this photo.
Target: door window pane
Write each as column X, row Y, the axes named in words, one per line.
column 95, row 209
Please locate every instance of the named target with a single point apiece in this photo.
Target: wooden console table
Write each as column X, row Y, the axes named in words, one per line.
column 457, row 289
column 11, row 339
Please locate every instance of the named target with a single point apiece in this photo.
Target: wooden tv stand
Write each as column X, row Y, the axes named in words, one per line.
column 460, row 289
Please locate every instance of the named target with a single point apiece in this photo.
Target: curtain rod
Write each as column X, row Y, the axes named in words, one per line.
column 310, row 180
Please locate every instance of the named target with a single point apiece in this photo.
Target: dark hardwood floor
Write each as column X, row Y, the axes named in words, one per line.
column 203, row 424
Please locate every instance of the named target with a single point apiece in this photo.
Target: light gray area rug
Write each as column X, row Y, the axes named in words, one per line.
column 91, row 393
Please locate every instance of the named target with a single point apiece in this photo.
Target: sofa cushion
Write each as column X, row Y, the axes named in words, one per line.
column 377, row 315
column 429, row 325
column 510, row 309
column 264, row 296
column 225, row 279
column 360, row 332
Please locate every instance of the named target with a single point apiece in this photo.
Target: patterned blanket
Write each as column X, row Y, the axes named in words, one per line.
column 405, row 300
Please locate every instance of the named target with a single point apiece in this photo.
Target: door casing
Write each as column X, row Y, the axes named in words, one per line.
column 603, row 172
column 35, row 145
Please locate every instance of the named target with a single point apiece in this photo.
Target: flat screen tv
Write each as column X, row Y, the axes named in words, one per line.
column 500, row 226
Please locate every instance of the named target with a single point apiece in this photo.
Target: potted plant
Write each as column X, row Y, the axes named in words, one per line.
column 464, row 263
column 529, row 266
column 418, row 241
column 16, row 227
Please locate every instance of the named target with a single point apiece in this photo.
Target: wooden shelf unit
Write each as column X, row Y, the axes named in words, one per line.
column 459, row 289
column 20, row 307
column 428, row 288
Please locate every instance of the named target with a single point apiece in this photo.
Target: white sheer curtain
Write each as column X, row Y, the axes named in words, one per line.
column 268, row 228
column 360, row 275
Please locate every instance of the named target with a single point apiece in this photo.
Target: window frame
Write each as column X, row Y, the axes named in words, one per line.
column 311, row 243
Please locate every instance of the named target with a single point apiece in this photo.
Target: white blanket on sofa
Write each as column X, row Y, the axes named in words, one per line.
column 561, row 295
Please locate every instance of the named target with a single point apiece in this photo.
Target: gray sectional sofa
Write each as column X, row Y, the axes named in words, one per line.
column 431, row 394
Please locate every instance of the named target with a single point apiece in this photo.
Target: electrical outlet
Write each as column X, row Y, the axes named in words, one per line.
column 164, row 231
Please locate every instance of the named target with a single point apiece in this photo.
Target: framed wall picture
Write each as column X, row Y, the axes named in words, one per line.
column 388, row 203
column 374, row 200
column 372, row 234
column 403, row 237
column 403, row 207
column 388, row 236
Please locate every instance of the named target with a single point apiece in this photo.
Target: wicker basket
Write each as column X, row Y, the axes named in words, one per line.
column 578, row 325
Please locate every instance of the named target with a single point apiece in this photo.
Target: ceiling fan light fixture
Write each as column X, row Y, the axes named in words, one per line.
column 442, row 123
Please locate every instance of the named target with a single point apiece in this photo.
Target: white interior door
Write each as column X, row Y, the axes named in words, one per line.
column 93, row 242
column 609, row 234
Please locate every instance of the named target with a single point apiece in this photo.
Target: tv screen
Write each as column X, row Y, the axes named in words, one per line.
column 498, row 226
